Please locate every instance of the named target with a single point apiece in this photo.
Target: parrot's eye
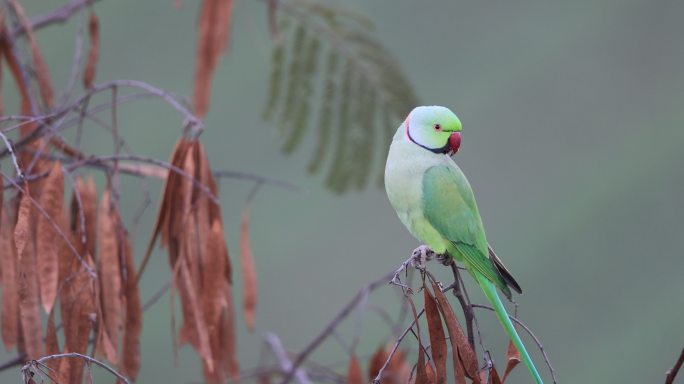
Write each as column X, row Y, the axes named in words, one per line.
column 437, row 127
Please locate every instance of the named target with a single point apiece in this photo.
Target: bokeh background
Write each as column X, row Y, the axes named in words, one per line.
column 573, row 115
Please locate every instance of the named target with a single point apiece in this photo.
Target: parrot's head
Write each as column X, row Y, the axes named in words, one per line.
column 434, row 128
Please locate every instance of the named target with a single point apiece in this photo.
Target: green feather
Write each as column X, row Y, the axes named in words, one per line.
column 449, row 206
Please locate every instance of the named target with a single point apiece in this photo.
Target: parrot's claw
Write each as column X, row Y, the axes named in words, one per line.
column 421, row 256
column 396, row 280
column 444, row 259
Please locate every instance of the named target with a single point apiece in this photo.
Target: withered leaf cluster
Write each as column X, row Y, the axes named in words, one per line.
column 55, row 275
column 191, row 228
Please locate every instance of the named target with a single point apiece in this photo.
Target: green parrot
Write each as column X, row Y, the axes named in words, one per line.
column 434, row 200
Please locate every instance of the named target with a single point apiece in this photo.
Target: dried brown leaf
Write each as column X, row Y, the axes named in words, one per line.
column 462, row 353
column 2, row 98
column 84, row 312
column 430, row 373
column 212, row 38
column 494, row 376
column 513, row 356
column 166, row 207
column 193, row 317
column 214, row 299
column 438, row 345
column 248, row 271
column 39, row 67
column 64, row 370
column 354, row 374
column 130, row 361
column 421, row 372
column 51, row 342
column 22, row 228
column 84, row 215
column 29, row 299
column 10, row 293
column 228, row 338
column 109, row 273
column 94, row 52
column 52, row 200
column 15, row 71
column 376, row 362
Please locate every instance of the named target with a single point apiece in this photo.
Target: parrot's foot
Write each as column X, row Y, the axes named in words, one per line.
column 444, row 259
column 421, row 256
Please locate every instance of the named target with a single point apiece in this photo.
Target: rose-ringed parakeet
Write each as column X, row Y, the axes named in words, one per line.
column 435, row 202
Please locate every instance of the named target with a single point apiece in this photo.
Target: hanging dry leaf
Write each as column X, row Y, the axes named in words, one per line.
column 376, row 362
column 52, row 200
column 109, row 272
column 214, row 300
column 463, row 354
column 212, row 38
column 398, row 370
column 229, row 340
column 39, row 67
column 10, row 293
column 430, row 373
column 29, row 299
column 15, row 71
column 437, row 337
column 130, row 361
column 248, row 271
column 513, row 356
column 354, row 374
column 421, row 372
column 84, row 215
column 51, row 342
column 494, row 376
column 22, row 227
column 2, row 99
column 94, row 52
column 195, row 329
column 78, row 294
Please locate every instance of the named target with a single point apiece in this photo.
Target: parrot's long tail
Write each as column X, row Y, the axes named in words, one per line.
column 490, row 291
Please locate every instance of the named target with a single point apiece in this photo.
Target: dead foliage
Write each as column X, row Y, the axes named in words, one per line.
column 191, row 228
column 437, row 339
column 212, row 37
column 354, row 373
column 397, row 371
column 93, row 52
column 248, row 271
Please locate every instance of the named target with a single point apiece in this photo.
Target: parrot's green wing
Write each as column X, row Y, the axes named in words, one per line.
column 449, row 206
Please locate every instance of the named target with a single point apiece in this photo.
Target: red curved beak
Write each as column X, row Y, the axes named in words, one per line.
column 455, row 141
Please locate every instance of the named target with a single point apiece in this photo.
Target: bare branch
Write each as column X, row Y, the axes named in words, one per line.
column 328, row 330
column 529, row 332
column 284, row 361
column 34, row 364
column 672, row 373
column 59, row 15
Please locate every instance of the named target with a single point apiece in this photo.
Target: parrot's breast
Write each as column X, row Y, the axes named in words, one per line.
column 404, row 171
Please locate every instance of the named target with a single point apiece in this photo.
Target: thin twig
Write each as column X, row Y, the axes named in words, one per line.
column 59, row 15
column 396, row 347
column 8, row 144
column 465, row 304
column 333, row 324
column 284, row 361
column 529, row 332
column 672, row 373
column 260, row 179
column 26, row 369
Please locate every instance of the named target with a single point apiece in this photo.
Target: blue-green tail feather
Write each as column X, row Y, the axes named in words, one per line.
column 490, row 291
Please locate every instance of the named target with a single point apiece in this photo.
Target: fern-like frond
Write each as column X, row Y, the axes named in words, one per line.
column 362, row 92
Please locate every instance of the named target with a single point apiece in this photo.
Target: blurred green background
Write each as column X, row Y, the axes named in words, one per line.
column 573, row 116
